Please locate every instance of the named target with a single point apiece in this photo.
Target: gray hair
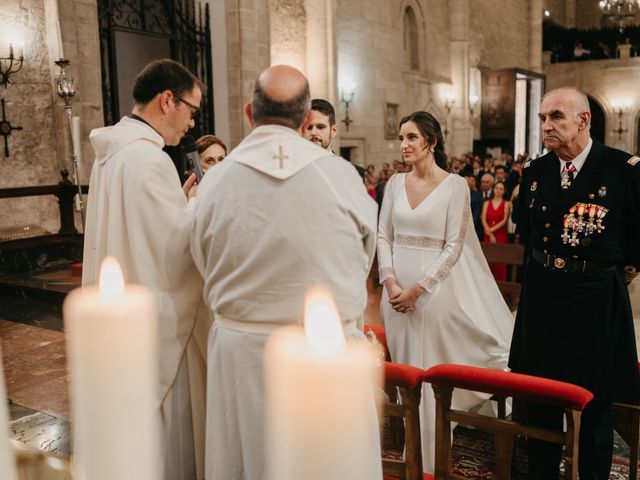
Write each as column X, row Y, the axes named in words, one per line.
column 580, row 100
column 487, row 175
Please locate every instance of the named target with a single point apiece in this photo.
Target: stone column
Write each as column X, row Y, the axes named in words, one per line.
column 460, row 126
column 248, row 53
column 288, row 24
column 320, row 45
column 535, row 35
column 570, row 13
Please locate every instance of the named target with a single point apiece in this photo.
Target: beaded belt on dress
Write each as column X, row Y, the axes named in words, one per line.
column 418, row 241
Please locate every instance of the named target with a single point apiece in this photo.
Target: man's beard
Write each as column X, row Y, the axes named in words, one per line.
column 319, row 141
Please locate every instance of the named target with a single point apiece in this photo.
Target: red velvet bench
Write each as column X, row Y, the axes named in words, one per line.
column 444, row 378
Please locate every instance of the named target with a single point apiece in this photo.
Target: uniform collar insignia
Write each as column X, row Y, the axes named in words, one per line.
column 633, row 160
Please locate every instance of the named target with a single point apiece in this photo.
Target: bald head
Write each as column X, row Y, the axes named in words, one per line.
column 282, row 83
column 280, row 97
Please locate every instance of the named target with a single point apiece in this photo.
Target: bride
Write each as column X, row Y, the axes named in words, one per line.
column 441, row 303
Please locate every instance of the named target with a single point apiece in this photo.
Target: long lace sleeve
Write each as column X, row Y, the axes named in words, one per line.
column 385, row 232
column 458, row 215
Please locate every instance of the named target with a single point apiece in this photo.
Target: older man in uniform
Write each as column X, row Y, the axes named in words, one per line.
column 579, row 210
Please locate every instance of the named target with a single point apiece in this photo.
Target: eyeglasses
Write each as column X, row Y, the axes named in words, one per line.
column 195, row 111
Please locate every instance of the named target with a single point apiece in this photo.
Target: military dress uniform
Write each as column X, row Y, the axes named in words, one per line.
column 574, row 321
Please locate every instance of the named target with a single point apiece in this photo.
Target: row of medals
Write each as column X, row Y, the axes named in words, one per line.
column 586, row 225
column 585, row 219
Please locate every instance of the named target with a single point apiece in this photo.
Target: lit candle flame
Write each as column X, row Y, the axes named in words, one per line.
column 111, row 283
column 322, row 324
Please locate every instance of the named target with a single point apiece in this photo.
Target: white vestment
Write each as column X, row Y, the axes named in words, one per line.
column 278, row 216
column 138, row 213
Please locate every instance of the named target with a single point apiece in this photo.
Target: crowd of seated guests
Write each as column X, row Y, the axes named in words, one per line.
column 567, row 45
column 493, row 189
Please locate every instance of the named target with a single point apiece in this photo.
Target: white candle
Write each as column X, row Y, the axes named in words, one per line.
column 77, row 142
column 321, row 413
column 112, row 349
column 7, row 457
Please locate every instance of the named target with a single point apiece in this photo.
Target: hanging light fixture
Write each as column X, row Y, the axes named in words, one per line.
column 619, row 11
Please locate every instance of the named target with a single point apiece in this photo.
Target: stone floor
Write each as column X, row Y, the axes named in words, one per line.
column 34, row 359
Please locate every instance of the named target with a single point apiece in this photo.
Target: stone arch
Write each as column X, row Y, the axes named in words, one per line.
column 413, row 28
column 598, row 119
column 636, row 149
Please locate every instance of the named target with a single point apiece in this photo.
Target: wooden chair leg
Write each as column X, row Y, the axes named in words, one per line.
column 633, row 445
column 504, row 455
column 443, row 431
column 413, row 454
column 572, row 438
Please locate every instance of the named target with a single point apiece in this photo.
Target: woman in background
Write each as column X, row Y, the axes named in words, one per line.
column 212, row 150
column 495, row 218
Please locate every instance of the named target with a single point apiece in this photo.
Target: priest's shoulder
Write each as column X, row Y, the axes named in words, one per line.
column 334, row 163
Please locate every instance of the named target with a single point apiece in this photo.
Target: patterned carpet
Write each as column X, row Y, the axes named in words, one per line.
column 474, row 456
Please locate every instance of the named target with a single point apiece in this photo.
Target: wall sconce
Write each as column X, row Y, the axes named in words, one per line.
column 10, row 65
column 346, row 96
column 449, row 102
column 619, row 109
column 473, row 102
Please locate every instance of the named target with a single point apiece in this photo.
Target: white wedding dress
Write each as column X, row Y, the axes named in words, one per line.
column 462, row 317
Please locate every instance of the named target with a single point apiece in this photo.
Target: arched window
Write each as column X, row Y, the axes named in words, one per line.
column 410, row 25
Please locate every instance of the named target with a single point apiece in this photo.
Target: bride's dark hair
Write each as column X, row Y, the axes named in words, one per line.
column 430, row 129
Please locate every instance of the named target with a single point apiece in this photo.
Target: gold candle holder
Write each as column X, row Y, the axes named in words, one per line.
column 33, row 465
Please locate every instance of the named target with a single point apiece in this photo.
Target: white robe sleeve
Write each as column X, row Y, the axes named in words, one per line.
column 159, row 225
column 385, row 233
column 457, row 221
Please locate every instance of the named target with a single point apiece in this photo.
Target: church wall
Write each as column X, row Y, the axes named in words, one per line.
column 369, row 46
column 499, row 33
column 41, row 149
column 557, row 11
column 609, row 82
column 248, row 53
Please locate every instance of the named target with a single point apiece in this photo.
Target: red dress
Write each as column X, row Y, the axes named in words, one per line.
column 495, row 216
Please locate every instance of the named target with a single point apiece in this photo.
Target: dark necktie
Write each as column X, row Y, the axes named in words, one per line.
column 568, row 172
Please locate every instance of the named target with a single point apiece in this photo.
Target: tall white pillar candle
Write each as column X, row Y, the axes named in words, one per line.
column 321, row 411
column 77, row 139
column 112, row 348
column 7, row 457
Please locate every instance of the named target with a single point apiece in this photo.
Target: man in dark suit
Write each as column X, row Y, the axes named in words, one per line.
column 475, row 197
column 579, row 210
column 322, row 127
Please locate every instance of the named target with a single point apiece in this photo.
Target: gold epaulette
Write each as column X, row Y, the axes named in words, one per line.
column 527, row 164
column 633, row 161
column 630, row 272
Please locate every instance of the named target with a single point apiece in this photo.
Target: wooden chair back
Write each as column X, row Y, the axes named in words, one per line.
column 403, row 385
column 571, row 398
column 511, row 254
